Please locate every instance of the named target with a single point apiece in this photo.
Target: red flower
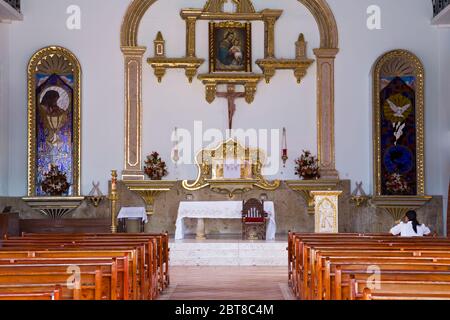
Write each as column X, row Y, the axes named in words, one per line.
column 155, row 168
column 307, row 166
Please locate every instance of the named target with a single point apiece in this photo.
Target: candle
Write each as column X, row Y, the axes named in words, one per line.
column 284, row 149
column 113, row 180
column 176, row 154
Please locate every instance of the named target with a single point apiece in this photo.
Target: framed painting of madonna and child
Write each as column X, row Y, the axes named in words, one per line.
column 230, row 47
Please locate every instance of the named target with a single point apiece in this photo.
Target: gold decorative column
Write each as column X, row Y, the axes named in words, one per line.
column 190, row 16
column 114, row 197
column 270, row 18
column 326, row 211
column 325, row 112
column 133, row 114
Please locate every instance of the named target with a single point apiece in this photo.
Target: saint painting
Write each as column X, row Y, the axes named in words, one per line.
column 230, row 47
column 54, row 126
column 54, row 116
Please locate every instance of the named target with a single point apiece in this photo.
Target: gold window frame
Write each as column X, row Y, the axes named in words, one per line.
column 50, row 58
column 399, row 63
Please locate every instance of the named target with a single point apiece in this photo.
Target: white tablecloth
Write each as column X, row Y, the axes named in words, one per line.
column 133, row 213
column 219, row 210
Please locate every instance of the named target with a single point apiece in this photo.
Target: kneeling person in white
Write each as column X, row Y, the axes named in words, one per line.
column 410, row 228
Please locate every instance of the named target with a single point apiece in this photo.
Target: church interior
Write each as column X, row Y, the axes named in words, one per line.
column 148, row 146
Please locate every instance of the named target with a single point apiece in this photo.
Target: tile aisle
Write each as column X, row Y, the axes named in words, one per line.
column 228, row 283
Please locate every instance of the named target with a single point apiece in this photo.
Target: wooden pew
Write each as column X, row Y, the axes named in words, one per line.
column 97, row 281
column 307, row 251
column 162, row 247
column 150, row 261
column 30, row 292
column 49, row 295
column 155, row 260
column 322, row 266
column 147, row 248
column 122, row 287
column 95, row 250
column 402, row 290
column 85, row 255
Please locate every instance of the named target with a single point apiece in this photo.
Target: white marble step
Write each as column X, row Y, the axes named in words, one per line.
column 228, row 253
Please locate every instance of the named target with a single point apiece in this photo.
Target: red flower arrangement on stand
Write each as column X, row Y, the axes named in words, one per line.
column 155, row 168
column 307, row 166
column 55, row 182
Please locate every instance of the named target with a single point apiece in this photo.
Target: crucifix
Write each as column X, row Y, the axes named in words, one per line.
column 231, row 95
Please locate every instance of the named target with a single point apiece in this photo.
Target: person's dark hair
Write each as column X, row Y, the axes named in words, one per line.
column 412, row 216
column 50, row 98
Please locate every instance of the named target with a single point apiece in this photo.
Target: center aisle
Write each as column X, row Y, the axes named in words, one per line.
column 228, row 283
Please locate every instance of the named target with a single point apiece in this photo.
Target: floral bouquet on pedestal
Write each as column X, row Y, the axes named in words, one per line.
column 397, row 185
column 307, row 166
column 55, row 182
column 155, row 168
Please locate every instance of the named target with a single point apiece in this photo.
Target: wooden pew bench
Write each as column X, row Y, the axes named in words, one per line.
column 147, row 276
column 321, row 266
column 402, row 290
column 97, row 281
column 162, row 247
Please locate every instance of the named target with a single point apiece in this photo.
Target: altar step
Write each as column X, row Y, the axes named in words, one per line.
column 228, row 253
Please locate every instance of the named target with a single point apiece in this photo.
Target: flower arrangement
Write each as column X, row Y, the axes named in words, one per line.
column 307, row 166
column 155, row 168
column 396, row 184
column 55, row 182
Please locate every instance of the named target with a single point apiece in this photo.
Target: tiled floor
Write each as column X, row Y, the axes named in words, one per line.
column 228, row 253
column 228, row 283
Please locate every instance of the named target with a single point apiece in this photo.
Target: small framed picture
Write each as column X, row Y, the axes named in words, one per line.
column 230, row 47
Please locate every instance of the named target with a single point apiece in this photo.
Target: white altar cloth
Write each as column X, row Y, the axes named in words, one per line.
column 219, row 210
column 133, row 213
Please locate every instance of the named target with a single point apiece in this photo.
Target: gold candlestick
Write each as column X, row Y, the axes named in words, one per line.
column 113, row 197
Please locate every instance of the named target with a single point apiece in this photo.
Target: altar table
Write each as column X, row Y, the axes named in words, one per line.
column 218, row 210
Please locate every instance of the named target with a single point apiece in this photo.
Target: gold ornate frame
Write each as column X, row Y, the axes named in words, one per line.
column 247, row 27
column 133, row 56
column 46, row 57
column 207, row 158
column 399, row 63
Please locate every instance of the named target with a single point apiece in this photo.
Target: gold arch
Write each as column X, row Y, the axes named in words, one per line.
column 329, row 37
column 320, row 9
column 325, row 56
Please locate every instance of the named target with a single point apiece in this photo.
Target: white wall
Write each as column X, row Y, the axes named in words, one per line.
column 444, row 95
column 405, row 23
column 175, row 103
column 97, row 47
column 4, row 105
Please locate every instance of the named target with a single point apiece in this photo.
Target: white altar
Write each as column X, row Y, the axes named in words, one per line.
column 218, row 210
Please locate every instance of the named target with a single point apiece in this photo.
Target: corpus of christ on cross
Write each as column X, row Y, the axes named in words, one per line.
column 231, row 95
